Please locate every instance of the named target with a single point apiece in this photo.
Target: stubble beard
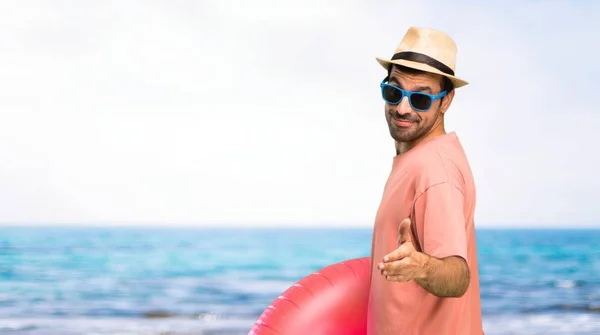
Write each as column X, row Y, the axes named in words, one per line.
column 414, row 133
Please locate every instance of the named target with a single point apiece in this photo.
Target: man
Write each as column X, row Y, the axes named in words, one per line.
column 424, row 274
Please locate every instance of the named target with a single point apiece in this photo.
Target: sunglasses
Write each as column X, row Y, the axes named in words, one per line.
column 419, row 101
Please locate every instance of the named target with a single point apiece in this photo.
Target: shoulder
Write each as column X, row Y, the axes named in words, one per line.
column 441, row 163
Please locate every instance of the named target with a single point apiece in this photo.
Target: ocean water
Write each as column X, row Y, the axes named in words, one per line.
column 218, row 281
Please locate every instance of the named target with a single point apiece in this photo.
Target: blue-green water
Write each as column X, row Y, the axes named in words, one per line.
column 218, row 281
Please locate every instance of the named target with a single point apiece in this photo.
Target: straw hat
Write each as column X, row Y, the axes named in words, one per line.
column 427, row 50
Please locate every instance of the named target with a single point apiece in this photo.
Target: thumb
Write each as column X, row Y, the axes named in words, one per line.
column 405, row 234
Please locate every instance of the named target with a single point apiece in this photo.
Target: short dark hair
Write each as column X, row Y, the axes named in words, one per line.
column 446, row 83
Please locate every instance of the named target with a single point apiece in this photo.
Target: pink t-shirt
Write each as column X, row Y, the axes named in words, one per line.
column 433, row 185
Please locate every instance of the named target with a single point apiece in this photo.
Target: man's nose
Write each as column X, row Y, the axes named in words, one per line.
column 404, row 106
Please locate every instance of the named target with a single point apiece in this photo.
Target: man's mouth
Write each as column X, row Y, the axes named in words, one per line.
column 402, row 118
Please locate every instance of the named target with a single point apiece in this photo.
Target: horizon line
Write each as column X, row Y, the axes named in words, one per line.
column 232, row 225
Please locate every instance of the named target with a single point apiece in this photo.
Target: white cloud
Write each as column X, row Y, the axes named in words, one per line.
column 229, row 111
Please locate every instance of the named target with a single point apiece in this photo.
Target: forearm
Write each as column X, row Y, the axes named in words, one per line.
column 447, row 277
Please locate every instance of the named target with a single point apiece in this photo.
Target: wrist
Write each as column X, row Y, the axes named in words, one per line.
column 426, row 267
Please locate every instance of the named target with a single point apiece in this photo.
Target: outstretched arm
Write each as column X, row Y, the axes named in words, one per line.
column 446, row 277
column 441, row 268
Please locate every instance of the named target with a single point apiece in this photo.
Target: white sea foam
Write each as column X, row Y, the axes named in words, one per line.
column 539, row 324
column 174, row 326
column 565, row 283
column 543, row 324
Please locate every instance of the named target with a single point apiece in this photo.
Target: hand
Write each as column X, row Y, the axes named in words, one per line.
column 405, row 263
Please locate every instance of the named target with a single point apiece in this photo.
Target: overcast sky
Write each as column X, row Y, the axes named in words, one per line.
column 268, row 112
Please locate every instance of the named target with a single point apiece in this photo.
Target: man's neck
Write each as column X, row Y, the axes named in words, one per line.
column 403, row 147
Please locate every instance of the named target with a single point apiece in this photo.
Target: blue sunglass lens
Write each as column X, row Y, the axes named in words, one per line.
column 392, row 95
column 420, row 101
column 417, row 100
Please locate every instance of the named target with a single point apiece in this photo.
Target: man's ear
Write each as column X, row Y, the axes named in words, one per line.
column 446, row 101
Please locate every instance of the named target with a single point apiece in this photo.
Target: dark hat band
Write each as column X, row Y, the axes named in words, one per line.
column 424, row 59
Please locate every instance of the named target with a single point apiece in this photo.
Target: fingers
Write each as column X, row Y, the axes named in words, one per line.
column 405, row 233
column 400, row 271
column 399, row 253
column 393, row 268
column 396, row 271
column 398, row 278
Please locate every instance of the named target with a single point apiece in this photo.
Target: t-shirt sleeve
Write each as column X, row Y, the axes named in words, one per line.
column 440, row 221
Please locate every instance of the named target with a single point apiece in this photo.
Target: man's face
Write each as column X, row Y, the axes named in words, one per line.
column 407, row 124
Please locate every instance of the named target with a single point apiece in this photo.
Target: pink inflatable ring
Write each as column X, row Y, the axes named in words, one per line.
column 332, row 301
